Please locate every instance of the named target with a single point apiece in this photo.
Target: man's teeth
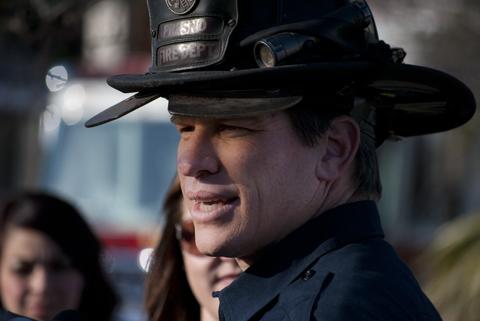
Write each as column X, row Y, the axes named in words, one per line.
column 211, row 205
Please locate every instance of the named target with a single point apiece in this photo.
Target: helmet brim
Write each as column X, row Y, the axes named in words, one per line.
column 410, row 100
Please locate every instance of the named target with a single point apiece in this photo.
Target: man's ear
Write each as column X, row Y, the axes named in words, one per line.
column 341, row 140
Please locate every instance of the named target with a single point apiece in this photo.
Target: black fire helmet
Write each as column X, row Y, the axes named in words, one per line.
column 239, row 58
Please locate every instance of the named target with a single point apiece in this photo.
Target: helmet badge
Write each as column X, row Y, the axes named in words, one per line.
column 180, row 6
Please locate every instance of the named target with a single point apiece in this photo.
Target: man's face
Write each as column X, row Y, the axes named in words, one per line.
column 247, row 182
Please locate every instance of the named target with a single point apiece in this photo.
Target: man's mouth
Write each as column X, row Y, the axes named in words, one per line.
column 207, row 206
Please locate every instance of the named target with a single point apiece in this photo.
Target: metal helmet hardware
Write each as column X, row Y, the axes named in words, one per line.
column 275, row 48
column 180, row 6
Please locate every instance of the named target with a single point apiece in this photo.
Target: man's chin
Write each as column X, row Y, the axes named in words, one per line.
column 210, row 250
column 215, row 249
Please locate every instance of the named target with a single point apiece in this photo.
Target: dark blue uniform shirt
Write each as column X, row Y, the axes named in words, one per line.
column 336, row 267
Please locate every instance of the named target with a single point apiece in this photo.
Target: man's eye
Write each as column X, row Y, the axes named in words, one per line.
column 185, row 129
column 223, row 128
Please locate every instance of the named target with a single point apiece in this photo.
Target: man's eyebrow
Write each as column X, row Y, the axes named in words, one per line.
column 245, row 119
column 175, row 119
column 252, row 121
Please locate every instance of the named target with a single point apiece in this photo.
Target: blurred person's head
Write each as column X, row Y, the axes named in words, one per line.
column 181, row 279
column 50, row 260
column 451, row 269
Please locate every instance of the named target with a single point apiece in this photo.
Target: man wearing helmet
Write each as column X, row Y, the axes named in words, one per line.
column 280, row 106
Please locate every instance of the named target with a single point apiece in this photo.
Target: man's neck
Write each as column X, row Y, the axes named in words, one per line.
column 340, row 192
column 206, row 316
column 245, row 262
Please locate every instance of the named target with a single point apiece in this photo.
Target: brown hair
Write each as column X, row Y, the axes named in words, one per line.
column 167, row 292
column 64, row 224
column 310, row 122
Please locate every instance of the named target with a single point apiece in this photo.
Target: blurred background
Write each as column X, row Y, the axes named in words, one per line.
column 54, row 59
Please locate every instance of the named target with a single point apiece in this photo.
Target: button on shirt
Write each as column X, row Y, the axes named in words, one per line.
column 335, row 267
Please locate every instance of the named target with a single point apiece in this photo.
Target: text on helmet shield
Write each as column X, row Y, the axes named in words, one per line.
column 205, row 26
column 185, row 54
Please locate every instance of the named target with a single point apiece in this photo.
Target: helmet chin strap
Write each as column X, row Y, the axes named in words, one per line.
column 365, row 114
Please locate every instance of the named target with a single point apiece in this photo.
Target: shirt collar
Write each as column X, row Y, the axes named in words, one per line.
column 285, row 261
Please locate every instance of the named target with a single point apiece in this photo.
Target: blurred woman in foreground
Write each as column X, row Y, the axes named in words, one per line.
column 181, row 280
column 50, row 261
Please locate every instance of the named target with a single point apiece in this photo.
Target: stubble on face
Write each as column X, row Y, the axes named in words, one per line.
column 256, row 176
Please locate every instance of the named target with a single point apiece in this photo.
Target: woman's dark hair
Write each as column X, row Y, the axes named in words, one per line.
column 63, row 224
column 167, row 293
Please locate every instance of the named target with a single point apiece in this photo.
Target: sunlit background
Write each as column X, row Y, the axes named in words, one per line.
column 56, row 55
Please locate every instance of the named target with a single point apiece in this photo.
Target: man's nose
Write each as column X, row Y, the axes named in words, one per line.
column 197, row 157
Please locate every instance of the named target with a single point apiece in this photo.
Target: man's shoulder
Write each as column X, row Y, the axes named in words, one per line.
column 374, row 257
column 361, row 281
